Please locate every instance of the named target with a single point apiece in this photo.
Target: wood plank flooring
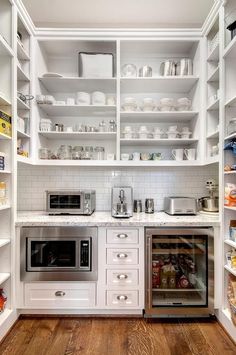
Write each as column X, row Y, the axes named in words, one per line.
column 115, row 336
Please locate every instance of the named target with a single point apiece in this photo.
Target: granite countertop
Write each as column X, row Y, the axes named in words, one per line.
column 104, row 219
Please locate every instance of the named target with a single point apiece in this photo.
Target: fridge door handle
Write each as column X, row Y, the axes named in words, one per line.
column 148, row 271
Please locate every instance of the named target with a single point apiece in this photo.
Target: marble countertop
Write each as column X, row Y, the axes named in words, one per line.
column 104, row 219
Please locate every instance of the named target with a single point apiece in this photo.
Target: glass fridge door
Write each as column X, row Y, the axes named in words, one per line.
column 179, row 270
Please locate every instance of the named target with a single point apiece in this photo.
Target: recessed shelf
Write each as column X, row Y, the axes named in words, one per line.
column 75, row 110
column 5, row 49
column 214, row 75
column 232, row 271
column 5, row 136
column 21, row 76
column 73, row 84
column 214, row 105
column 230, row 50
column 158, row 142
column 230, row 243
column 4, row 276
column 157, row 116
column 231, row 102
column 79, row 135
column 5, row 207
column 167, row 84
column 214, row 55
column 213, row 135
column 21, row 53
column 21, row 105
column 22, row 134
column 4, row 101
column 4, row 242
column 22, row 159
column 231, row 136
column 230, row 208
column 212, row 160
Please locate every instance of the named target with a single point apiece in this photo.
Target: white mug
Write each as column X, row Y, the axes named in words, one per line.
column 178, row 154
column 190, row 153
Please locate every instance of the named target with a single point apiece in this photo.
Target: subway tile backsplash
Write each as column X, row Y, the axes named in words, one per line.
column 146, row 182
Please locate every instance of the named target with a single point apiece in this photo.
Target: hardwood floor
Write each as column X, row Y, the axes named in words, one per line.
column 115, row 336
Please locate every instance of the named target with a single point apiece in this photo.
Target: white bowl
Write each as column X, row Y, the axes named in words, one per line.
column 143, row 135
column 125, row 156
column 127, row 129
column 172, row 135
column 157, row 135
column 128, row 135
column 185, row 135
column 129, row 107
column 143, row 129
column 166, row 108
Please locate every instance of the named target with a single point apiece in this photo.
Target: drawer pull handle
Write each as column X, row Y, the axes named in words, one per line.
column 122, row 298
column 122, row 235
column 60, row 293
column 122, row 276
column 122, row 255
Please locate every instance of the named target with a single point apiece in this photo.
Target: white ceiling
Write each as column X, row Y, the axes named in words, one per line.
column 118, row 13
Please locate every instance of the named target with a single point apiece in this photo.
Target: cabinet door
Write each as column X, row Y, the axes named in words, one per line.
column 122, row 256
column 128, row 278
column 122, row 236
column 59, row 295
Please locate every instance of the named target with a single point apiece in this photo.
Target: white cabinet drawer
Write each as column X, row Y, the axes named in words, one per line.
column 120, row 299
column 122, row 256
column 122, row 278
column 59, row 295
column 122, row 236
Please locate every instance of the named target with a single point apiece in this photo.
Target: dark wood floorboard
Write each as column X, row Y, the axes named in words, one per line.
column 115, row 336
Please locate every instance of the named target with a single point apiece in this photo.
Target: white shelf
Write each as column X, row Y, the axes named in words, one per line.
column 4, row 101
column 230, row 242
column 232, row 271
column 214, row 105
column 22, row 134
column 4, row 276
column 5, row 49
column 21, row 76
column 157, row 116
column 5, row 315
column 167, row 84
column 22, row 159
column 79, row 135
column 214, row 75
column 4, row 241
column 21, row 105
column 213, row 135
column 158, row 142
column 231, row 136
column 5, row 172
column 5, row 136
column 75, row 110
column 231, row 102
column 230, row 172
column 73, row 84
column 21, row 53
column 117, row 163
column 214, row 55
column 212, row 160
column 5, row 207
column 230, row 208
column 230, row 50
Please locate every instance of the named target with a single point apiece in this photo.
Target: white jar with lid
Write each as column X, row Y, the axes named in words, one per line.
column 231, row 126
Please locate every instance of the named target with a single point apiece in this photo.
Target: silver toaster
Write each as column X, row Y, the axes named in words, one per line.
column 180, row 205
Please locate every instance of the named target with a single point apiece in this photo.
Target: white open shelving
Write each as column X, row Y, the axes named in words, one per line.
column 75, row 110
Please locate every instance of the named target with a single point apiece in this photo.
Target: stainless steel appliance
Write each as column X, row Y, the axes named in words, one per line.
column 122, row 202
column 210, row 203
column 179, row 272
column 180, row 205
column 149, row 205
column 138, row 206
column 58, row 254
column 71, row 201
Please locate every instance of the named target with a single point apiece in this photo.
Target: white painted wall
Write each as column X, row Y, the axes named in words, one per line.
column 146, row 182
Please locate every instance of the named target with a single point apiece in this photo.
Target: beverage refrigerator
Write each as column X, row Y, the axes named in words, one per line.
column 179, row 278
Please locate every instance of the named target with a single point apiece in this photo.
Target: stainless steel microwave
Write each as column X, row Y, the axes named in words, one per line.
column 58, row 253
column 80, row 202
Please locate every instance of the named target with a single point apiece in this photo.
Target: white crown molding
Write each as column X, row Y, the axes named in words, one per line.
column 211, row 17
column 25, row 16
